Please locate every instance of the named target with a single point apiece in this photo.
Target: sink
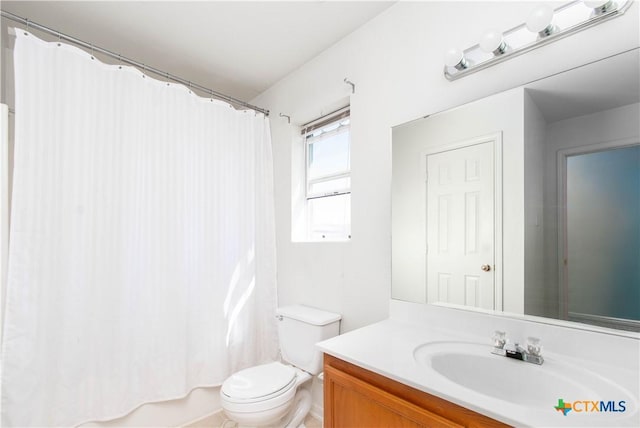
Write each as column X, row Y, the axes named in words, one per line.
column 473, row 367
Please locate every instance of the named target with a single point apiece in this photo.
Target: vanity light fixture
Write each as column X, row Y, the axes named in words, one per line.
column 544, row 25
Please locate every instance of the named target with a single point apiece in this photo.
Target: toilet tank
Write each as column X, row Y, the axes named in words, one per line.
column 299, row 329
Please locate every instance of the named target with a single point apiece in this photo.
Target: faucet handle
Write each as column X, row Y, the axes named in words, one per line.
column 499, row 339
column 533, row 346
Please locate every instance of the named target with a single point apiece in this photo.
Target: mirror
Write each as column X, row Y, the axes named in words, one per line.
column 527, row 201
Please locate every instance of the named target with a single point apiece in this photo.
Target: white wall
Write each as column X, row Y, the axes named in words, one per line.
column 7, row 98
column 395, row 61
column 4, row 208
column 534, row 150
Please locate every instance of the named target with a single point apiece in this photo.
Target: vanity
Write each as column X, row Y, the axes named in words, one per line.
column 417, row 368
column 381, row 401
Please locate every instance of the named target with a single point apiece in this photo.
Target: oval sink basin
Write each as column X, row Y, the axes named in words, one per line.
column 472, row 366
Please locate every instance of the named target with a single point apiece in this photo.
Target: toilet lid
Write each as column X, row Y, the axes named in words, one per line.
column 258, row 381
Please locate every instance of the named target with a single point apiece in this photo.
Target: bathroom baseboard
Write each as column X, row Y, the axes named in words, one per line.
column 217, row 418
column 317, row 412
column 216, row 414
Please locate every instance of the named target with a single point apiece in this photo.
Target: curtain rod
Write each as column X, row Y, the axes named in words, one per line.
column 317, row 119
column 120, row 58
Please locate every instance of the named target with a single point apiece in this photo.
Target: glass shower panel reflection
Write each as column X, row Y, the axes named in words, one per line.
column 603, row 234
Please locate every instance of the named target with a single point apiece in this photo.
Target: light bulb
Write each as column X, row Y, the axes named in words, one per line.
column 540, row 20
column 600, row 6
column 455, row 58
column 493, row 42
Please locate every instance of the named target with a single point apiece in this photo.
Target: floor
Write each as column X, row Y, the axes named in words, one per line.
column 218, row 420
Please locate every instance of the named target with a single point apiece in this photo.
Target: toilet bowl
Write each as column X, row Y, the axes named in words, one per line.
column 261, row 395
column 270, row 394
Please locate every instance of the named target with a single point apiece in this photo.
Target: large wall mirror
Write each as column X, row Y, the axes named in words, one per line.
column 527, row 201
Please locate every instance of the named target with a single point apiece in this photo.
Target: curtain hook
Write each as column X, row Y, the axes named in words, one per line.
column 211, row 94
column 189, row 86
column 167, row 77
column 59, row 39
column 28, row 23
column 353, row 86
column 92, row 56
column 144, row 70
column 288, row 117
column 119, row 62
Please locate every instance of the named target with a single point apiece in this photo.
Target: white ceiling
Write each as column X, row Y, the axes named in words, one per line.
column 239, row 48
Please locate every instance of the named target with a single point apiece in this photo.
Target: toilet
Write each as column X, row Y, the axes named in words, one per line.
column 269, row 394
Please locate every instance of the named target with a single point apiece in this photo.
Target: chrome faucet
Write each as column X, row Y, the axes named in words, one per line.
column 530, row 354
column 499, row 341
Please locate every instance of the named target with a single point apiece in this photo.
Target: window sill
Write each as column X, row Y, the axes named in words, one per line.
column 321, row 241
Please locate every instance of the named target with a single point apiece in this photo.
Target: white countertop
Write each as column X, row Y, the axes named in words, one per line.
column 387, row 348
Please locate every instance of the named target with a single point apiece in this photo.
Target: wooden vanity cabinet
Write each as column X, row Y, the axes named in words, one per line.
column 356, row 397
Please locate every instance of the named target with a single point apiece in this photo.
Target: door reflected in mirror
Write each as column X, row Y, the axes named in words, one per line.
column 602, row 237
column 527, row 201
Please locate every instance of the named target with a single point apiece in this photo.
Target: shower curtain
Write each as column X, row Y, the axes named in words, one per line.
column 142, row 251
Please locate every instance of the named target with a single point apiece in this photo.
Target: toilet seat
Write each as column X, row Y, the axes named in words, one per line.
column 259, row 388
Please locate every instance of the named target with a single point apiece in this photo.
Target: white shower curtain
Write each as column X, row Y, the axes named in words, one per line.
column 142, row 253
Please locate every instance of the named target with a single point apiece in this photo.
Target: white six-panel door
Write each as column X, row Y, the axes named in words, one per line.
column 460, row 226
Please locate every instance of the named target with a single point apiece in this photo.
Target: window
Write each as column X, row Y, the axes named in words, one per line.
column 328, row 177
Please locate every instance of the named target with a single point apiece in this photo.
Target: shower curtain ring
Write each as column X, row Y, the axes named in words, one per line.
column 59, row 38
column 92, row 56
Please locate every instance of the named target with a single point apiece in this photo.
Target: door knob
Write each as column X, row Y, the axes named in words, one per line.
column 485, row 268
